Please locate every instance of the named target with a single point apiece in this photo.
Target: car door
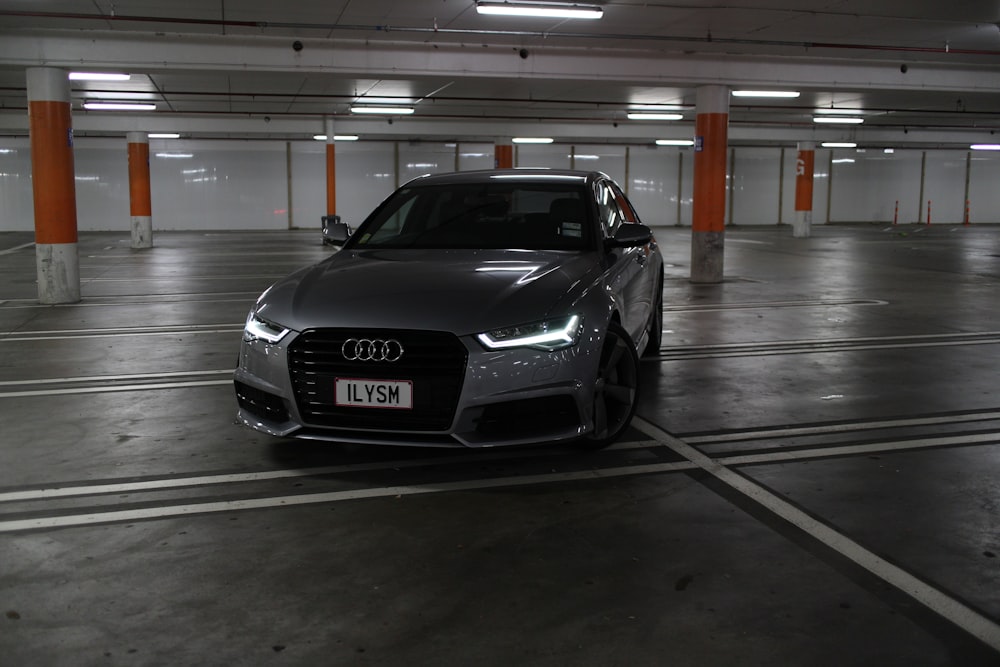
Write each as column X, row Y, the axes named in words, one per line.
column 626, row 274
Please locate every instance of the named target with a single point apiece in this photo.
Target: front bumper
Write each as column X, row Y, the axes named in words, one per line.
column 509, row 397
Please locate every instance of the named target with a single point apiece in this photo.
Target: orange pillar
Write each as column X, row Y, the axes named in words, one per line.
column 331, row 170
column 709, row 209
column 805, row 166
column 53, row 183
column 140, row 205
column 503, row 154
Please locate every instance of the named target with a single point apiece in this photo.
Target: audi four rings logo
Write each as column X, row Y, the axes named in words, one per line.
column 369, row 349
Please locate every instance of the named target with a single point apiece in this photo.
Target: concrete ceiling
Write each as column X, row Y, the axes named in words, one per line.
column 923, row 72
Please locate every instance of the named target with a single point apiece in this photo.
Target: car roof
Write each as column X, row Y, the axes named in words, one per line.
column 533, row 175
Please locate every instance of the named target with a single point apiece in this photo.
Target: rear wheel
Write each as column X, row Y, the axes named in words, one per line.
column 616, row 391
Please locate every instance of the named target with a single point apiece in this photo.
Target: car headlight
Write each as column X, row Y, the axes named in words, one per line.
column 258, row 328
column 548, row 335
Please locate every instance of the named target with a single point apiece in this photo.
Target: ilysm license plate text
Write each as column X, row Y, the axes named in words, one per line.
column 360, row 393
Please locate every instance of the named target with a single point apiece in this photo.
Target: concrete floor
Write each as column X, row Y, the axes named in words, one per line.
column 813, row 479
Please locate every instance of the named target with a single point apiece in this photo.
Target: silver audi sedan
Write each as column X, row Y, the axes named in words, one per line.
column 472, row 309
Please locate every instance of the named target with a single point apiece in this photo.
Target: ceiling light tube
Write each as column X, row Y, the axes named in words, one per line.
column 788, row 94
column 985, row 147
column 336, row 137
column 98, row 76
column 164, row 135
column 643, row 115
column 675, row 142
column 838, row 120
column 119, row 106
column 839, row 144
column 531, row 140
column 552, row 10
column 392, row 111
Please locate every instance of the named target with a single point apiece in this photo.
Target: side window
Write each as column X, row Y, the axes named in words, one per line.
column 625, row 205
column 608, row 209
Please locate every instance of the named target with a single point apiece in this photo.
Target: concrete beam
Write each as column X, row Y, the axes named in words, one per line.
column 398, row 59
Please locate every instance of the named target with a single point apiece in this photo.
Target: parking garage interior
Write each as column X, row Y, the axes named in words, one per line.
column 811, row 475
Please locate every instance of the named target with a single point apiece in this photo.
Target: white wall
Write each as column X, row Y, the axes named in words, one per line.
column 232, row 185
column 755, row 197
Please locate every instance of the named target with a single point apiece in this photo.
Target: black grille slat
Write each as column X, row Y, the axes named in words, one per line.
column 434, row 361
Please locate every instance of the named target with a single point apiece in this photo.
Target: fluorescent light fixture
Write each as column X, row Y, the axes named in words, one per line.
column 98, row 76
column 655, row 107
column 839, row 120
column 175, row 155
column 845, row 160
column 578, row 156
column 675, row 142
column 838, row 112
column 119, row 106
column 788, row 94
column 889, row 151
column 985, row 147
column 550, row 10
column 164, row 135
column 336, row 137
column 839, row 144
column 645, row 115
column 392, row 111
column 532, row 140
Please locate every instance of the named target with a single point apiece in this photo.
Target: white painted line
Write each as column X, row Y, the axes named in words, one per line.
column 10, row 251
column 265, row 475
column 833, row 341
column 751, row 305
column 332, row 496
column 854, row 450
column 171, row 328
column 167, row 278
column 113, row 388
column 17, row 338
column 937, row 601
column 723, row 354
column 113, row 378
column 838, row 428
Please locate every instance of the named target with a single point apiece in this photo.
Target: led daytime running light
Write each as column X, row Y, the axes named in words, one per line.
column 542, row 335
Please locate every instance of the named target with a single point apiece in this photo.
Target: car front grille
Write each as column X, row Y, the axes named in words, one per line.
column 434, row 362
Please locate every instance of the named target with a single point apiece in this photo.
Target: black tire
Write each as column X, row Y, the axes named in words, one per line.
column 655, row 326
column 616, row 392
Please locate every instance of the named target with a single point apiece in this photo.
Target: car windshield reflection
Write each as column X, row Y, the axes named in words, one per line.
column 530, row 216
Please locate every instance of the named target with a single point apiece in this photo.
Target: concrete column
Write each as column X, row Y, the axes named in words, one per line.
column 53, row 183
column 503, row 154
column 331, row 169
column 140, row 205
column 805, row 166
column 709, row 209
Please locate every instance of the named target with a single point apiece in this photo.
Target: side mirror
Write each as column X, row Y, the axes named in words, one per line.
column 630, row 236
column 335, row 232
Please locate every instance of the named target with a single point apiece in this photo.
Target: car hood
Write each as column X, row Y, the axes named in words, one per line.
column 462, row 291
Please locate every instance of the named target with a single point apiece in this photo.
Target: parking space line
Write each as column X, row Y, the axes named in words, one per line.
column 113, row 388
column 116, row 516
column 844, row 427
column 47, row 493
column 10, row 251
column 979, row 626
column 112, row 378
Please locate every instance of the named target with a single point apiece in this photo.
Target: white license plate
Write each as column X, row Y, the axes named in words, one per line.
column 360, row 393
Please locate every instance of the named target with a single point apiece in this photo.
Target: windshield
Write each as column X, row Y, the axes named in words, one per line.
column 530, row 216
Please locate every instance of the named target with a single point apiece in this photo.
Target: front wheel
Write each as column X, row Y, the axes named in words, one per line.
column 616, row 391
column 655, row 326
